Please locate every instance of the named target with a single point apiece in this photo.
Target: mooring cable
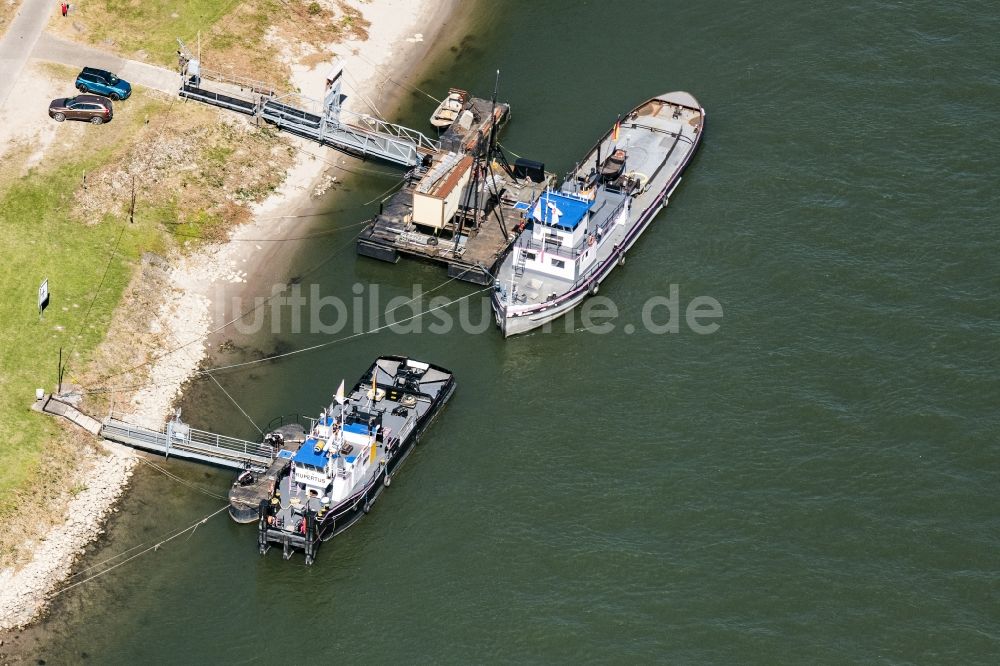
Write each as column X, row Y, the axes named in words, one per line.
column 318, row 234
column 422, row 294
column 179, row 480
column 235, row 319
column 399, row 83
column 209, row 371
column 233, row 400
column 344, row 339
column 155, row 546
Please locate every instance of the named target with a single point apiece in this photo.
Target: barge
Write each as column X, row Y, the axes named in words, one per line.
column 350, row 454
column 465, row 204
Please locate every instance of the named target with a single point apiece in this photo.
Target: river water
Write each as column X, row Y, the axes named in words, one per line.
column 814, row 481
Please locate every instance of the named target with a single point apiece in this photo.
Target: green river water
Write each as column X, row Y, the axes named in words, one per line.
column 816, row 481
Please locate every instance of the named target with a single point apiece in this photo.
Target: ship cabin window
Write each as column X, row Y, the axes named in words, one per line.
column 530, row 256
column 558, row 263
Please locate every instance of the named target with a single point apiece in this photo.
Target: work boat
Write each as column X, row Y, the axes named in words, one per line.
column 450, row 107
column 579, row 233
column 351, row 453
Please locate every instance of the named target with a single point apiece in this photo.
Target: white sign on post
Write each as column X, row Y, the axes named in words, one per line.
column 43, row 295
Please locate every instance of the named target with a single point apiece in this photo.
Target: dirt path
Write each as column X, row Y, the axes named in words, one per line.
column 16, row 46
column 26, row 84
column 58, row 50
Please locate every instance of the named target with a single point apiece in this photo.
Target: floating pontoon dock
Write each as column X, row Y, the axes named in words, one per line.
column 462, row 209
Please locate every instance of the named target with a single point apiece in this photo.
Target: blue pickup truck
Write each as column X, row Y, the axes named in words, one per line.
column 101, row 82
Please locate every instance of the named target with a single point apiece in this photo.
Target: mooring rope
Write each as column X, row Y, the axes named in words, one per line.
column 155, row 546
column 413, row 88
column 383, row 195
column 297, row 351
column 233, row 400
column 417, row 298
column 271, row 358
column 179, row 480
column 235, row 319
column 318, row 234
column 344, row 339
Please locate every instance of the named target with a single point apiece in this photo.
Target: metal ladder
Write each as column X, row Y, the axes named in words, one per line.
column 519, row 264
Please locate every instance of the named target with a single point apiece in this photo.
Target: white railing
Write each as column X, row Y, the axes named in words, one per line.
column 194, row 441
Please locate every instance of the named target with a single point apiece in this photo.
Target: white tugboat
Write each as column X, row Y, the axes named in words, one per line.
column 350, row 454
column 578, row 234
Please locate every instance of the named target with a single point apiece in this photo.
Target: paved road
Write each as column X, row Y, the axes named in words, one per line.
column 58, row 50
column 26, row 39
column 17, row 45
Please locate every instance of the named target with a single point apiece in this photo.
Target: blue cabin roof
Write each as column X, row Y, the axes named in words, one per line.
column 557, row 209
column 357, row 428
column 307, row 456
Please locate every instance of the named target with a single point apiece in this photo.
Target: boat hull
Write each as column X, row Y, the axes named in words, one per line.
column 347, row 512
column 514, row 321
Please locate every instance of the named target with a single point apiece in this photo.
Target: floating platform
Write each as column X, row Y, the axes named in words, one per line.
column 470, row 246
column 247, row 492
column 458, row 209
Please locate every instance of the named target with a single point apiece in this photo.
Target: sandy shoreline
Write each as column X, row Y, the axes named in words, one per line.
column 401, row 32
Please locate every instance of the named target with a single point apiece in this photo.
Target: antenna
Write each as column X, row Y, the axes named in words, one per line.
column 493, row 123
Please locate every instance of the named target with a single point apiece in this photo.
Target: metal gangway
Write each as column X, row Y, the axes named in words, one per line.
column 325, row 122
column 180, row 440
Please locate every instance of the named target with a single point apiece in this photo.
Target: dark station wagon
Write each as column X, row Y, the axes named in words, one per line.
column 94, row 108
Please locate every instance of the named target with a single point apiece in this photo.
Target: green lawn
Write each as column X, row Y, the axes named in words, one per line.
column 232, row 32
column 154, row 25
column 41, row 239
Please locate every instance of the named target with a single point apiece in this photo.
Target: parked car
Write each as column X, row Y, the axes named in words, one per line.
column 101, row 82
column 94, row 108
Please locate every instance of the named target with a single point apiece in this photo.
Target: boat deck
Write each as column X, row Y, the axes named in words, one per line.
column 657, row 138
column 244, row 500
column 480, row 245
column 472, row 243
column 400, row 403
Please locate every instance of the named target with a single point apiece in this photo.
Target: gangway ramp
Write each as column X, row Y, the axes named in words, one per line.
column 180, row 440
column 323, row 122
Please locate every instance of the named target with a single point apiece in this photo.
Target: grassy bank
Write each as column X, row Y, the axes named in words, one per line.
column 43, row 239
column 250, row 38
column 192, row 171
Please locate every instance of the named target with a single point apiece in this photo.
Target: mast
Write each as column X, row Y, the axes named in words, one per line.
column 470, row 190
column 491, row 150
column 478, row 161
